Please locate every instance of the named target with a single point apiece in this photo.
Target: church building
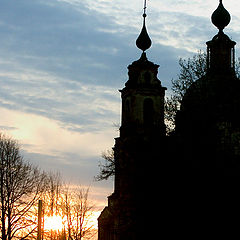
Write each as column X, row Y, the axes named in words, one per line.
column 151, row 168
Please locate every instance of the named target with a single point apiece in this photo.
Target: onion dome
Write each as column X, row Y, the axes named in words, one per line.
column 221, row 17
column 220, row 50
column 143, row 41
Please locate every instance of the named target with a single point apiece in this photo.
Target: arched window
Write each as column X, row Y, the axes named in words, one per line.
column 148, row 112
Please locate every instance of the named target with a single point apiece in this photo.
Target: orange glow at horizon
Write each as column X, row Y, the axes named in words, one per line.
column 54, row 223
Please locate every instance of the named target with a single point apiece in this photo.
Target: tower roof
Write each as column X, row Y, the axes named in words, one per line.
column 221, row 17
column 221, row 56
column 143, row 41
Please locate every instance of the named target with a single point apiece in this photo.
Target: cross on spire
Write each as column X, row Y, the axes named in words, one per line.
column 144, row 9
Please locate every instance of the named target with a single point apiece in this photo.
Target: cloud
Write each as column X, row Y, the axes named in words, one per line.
column 58, row 39
column 46, row 135
column 50, row 146
column 73, row 103
column 7, row 128
column 62, row 62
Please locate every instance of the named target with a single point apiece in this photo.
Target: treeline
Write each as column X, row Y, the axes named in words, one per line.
column 22, row 185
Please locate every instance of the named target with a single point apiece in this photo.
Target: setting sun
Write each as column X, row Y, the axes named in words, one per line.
column 53, row 223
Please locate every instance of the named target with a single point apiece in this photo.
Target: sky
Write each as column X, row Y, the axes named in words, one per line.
column 62, row 63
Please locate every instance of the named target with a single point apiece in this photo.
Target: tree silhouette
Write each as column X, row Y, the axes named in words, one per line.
column 21, row 186
column 107, row 169
column 71, row 204
column 191, row 70
column 77, row 210
column 52, row 200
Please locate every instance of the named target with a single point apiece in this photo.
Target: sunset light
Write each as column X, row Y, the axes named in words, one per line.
column 104, row 103
column 53, row 223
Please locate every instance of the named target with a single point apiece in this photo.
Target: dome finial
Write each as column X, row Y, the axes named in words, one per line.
column 221, row 17
column 143, row 41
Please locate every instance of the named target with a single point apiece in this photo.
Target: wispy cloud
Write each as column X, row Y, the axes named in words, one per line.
column 46, row 143
column 62, row 62
column 73, row 103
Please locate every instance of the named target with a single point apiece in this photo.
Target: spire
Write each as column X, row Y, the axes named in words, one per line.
column 221, row 53
column 143, row 41
column 221, row 17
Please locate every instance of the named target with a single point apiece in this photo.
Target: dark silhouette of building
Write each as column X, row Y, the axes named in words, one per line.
column 167, row 176
column 208, row 123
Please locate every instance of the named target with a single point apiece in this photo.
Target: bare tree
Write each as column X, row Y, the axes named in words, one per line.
column 52, row 194
column 190, row 70
column 107, row 169
column 71, row 204
column 21, row 186
column 52, row 200
column 77, row 211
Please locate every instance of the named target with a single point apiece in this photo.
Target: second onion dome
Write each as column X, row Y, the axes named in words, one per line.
column 221, row 17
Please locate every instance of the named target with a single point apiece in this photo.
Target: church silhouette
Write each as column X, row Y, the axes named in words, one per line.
column 156, row 176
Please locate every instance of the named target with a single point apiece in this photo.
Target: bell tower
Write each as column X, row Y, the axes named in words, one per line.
column 142, row 128
column 141, row 142
column 142, row 100
column 143, row 95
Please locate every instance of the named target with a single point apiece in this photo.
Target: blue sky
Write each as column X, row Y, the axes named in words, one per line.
column 63, row 61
